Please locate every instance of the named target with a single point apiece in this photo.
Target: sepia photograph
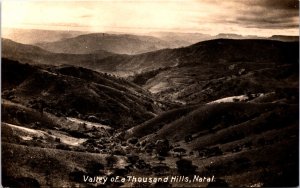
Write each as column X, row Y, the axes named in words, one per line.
column 149, row 93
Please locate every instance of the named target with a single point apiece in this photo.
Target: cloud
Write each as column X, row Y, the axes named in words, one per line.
column 266, row 14
column 208, row 16
column 275, row 4
column 274, row 20
column 281, row 16
column 86, row 16
column 262, row 14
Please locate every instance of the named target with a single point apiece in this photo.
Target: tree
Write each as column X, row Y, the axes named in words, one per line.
column 161, row 158
column 185, row 167
column 94, row 168
column 133, row 140
column 132, row 158
column 188, row 138
column 161, row 170
column 111, row 160
column 163, row 147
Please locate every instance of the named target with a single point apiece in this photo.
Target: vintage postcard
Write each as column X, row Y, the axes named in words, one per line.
column 150, row 93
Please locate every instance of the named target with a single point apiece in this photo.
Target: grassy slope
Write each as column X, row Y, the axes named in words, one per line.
column 219, row 68
column 248, row 134
column 216, row 117
column 158, row 122
column 83, row 92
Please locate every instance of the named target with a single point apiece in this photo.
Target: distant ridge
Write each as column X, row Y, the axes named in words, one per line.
column 32, row 36
column 285, row 38
column 120, row 44
column 26, row 53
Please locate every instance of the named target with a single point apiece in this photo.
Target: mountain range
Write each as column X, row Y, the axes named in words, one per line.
column 120, row 44
column 81, row 42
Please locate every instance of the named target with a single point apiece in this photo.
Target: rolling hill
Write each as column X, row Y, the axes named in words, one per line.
column 181, row 39
column 114, row 43
column 232, row 140
column 211, row 70
column 219, row 51
column 239, row 118
column 35, row 55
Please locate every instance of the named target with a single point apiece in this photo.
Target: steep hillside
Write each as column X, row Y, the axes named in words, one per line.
column 155, row 124
column 232, row 141
column 78, row 92
column 219, row 68
column 120, row 44
column 208, row 53
column 254, row 118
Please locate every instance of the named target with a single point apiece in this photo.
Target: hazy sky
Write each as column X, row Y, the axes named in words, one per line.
column 247, row 17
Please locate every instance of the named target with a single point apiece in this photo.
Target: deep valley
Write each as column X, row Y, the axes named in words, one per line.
column 145, row 106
